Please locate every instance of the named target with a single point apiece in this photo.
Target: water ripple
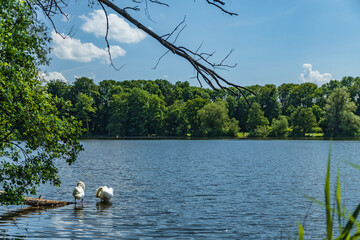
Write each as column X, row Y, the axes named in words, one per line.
column 171, row 189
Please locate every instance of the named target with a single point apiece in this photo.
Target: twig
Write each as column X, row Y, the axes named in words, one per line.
column 216, row 4
column 107, row 41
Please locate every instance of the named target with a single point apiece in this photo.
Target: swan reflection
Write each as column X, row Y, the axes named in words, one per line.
column 78, row 211
column 102, row 206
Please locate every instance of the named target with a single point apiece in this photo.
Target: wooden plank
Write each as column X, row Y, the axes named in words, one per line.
column 41, row 202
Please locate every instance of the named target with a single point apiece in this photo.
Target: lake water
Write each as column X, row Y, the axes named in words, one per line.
column 192, row 189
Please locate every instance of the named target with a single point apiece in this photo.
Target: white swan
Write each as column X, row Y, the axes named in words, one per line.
column 104, row 193
column 79, row 192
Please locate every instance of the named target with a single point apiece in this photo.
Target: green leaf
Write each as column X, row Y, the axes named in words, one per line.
column 338, row 199
column 301, row 232
column 329, row 223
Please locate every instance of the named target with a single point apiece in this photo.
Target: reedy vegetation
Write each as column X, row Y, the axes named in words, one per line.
column 350, row 230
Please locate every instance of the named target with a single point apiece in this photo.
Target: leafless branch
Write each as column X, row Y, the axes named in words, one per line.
column 178, row 34
column 158, row 2
column 200, row 46
column 200, row 61
column 219, row 5
column 168, row 50
column 136, row 8
column 146, row 8
column 206, row 73
column 51, row 8
column 231, row 51
column 161, row 57
column 168, row 35
column 147, row 13
column 107, row 41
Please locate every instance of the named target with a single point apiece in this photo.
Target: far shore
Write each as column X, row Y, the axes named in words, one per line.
column 308, row 136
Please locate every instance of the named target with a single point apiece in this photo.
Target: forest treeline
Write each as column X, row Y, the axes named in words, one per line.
column 160, row 108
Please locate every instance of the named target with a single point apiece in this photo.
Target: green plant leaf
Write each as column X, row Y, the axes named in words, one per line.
column 329, row 223
column 301, row 231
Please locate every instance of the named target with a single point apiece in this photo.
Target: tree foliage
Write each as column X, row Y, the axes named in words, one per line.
column 84, row 108
column 168, row 109
column 340, row 119
column 215, row 120
column 32, row 134
column 303, row 120
column 280, row 127
column 257, row 121
column 267, row 97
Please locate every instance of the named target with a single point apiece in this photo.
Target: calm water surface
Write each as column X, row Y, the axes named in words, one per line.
column 199, row 189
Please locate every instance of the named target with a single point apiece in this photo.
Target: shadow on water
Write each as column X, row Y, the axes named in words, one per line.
column 13, row 215
column 103, row 206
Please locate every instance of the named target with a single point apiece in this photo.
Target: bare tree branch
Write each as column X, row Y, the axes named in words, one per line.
column 107, row 41
column 231, row 51
column 206, row 73
column 161, row 57
column 158, row 2
column 136, row 8
column 200, row 61
column 216, row 4
column 51, row 8
column 168, row 35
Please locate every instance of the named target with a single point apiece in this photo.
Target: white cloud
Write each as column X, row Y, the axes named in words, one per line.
column 73, row 49
column 55, row 75
column 52, row 76
column 119, row 30
column 314, row 76
column 91, row 76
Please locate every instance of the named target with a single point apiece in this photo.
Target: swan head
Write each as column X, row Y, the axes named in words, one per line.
column 81, row 184
column 104, row 193
column 99, row 191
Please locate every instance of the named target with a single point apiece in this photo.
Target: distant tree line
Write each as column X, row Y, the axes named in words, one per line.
column 158, row 107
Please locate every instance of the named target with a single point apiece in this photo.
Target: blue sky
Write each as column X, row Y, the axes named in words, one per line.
column 275, row 41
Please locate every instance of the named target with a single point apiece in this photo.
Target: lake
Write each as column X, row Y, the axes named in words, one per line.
column 192, row 189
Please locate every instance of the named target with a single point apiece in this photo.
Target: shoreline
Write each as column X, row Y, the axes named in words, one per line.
column 308, row 137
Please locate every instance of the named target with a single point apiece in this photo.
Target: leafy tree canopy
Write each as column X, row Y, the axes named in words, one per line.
column 215, row 120
column 303, row 120
column 340, row 119
column 256, row 118
column 32, row 135
column 279, row 127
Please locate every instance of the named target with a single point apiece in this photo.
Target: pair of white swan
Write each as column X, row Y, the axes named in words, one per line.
column 104, row 193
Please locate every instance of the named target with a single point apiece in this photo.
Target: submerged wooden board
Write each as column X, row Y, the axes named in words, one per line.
column 41, row 202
